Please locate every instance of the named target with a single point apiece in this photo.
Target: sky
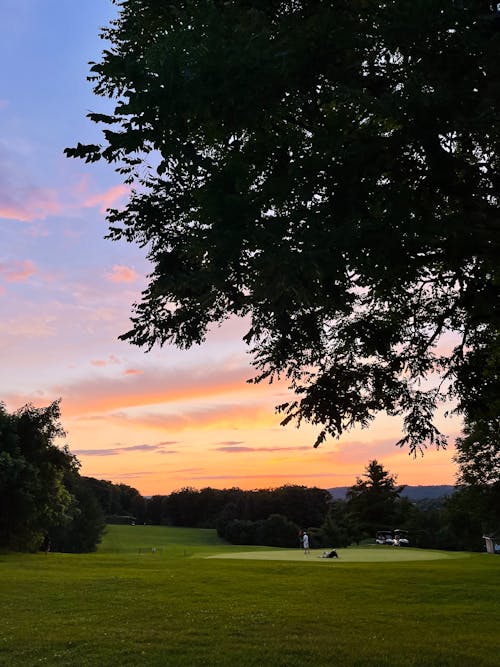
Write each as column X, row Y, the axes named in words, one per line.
column 161, row 420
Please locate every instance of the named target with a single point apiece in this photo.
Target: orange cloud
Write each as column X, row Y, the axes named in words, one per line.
column 122, row 274
column 154, row 387
column 14, row 272
column 347, row 452
column 101, row 363
column 243, row 449
column 219, row 416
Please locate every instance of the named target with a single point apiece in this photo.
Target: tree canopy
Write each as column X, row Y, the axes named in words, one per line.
column 478, row 453
column 329, row 170
column 42, row 496
column 32, row 492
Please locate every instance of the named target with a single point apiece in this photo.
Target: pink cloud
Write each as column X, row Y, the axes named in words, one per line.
column 14, row 272
column 106, row 199
column 132, row 371
column 111, row 360
column 121, row 274
column 29, row 327
column 29, row 203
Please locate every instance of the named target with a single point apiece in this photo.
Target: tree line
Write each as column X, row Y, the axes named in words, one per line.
column 275, row 517
column 45, row 501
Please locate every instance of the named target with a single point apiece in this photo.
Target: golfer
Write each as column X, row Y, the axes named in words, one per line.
column 305, row 542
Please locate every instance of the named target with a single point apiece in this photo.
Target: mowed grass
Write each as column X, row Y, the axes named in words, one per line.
column 129, row 605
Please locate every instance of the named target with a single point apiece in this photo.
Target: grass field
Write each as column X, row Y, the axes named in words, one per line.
column 158, row 596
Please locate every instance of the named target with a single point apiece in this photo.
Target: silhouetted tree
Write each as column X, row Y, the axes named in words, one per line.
column 277, row 531
column 33, row 497
column 478, row 453
column 341, row 527
column 330, row 170
column 83, row 531
column 375, row 501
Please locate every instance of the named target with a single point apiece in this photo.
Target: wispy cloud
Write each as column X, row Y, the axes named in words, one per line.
column 108, row 198
column 17, row 271
column 313, row 475
column 243, row 449
column 25, row 201
column 348, row 452
column 123, row 475
column 29, row 327
column 101, row 363
column 115, row 451
column 164, row 386
column 228, row 416
column 26, row 204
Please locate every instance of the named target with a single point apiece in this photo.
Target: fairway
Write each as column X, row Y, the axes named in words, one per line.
column 351, row 555
column 157, row 596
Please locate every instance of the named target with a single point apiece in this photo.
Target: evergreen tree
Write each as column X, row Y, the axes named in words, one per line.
column 375, row 501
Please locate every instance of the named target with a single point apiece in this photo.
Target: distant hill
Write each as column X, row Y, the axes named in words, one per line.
column 414, row 493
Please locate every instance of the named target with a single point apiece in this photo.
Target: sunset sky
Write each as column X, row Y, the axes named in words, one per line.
column 157, row 421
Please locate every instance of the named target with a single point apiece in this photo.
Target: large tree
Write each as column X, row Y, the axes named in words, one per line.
column 329, row 170
column 33, row 496
column 42, row 496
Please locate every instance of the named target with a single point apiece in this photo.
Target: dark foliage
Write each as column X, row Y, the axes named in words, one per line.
column 83, row 532
column 375, row 502
column 275, row 531
column 330, row 170
column 118, row 499
column 478, row 453
column 341, row 527
column 304, row 506
column 33, row 495
column 43, row 498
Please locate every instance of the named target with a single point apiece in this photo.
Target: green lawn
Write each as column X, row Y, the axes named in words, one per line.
column 154, row 596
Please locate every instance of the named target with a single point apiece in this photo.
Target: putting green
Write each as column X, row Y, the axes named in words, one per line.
column 350, row 555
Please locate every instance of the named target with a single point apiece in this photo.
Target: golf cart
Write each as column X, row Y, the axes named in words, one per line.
column 396, row 538
column 401, row 538
column 384, row 537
